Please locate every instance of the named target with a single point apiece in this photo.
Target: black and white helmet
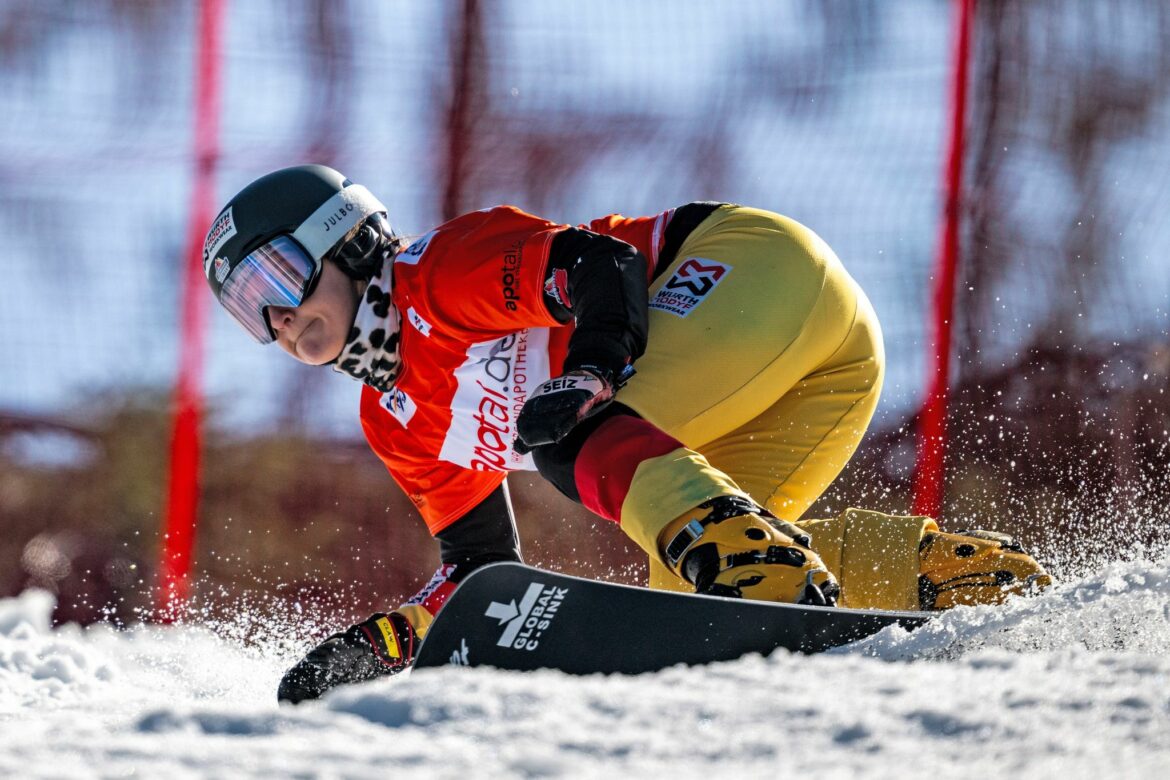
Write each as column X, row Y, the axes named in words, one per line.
column 268, row 244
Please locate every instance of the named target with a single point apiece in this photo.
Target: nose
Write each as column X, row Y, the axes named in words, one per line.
column 280, row 317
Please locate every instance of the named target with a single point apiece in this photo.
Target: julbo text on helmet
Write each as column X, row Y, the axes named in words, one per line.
column 269, row 243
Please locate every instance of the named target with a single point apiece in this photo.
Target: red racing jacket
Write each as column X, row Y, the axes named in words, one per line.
column 478, row 336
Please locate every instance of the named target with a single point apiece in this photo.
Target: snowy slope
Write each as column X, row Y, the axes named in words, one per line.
column 1075, row 683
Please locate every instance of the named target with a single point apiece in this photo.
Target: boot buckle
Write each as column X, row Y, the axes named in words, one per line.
column 682, row 542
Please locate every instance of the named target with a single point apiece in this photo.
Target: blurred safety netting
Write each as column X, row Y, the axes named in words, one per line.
column 830, row 112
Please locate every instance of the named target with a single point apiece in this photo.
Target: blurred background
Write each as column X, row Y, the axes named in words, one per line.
column 834, row 112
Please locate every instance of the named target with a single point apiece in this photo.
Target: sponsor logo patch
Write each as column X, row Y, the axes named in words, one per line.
column 400, row 405
column 342, row 215
column 557, row 287
column 413, row 254
column 492, row 386
column 689, row 286
column 335, row 218
column 421, row 325
column 510, row 276
column 221, row 232
column 525, row 623
column 222, row 266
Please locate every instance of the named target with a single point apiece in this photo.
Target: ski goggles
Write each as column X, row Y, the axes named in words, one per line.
column 284, row 271
column 279, row 273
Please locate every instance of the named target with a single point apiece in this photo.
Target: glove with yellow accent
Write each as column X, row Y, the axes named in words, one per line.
column 975, row 567
column 381, row 645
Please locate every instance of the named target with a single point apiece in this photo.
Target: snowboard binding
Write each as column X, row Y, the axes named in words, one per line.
column 729, row 546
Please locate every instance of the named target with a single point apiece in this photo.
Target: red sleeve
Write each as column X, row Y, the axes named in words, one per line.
column 646, row 234
column 486, row 274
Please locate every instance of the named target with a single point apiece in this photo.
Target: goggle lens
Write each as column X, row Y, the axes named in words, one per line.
column 279, row 273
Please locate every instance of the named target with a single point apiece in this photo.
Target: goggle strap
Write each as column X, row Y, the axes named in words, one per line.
column 335, row 218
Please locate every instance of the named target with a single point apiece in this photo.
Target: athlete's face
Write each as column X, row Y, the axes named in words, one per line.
column 316, row 331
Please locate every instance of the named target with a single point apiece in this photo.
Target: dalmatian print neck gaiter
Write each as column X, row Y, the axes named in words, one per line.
column 370, row 355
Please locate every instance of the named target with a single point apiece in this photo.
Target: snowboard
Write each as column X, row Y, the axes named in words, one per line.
column 512, row 616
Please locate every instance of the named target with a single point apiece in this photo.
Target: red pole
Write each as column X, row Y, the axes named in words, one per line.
column 929, row 475
column 466, row 89
column 183, row 491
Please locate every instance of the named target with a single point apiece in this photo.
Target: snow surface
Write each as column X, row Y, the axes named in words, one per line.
column 1073, row 683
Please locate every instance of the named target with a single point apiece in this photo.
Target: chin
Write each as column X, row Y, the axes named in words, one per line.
column 318, row 357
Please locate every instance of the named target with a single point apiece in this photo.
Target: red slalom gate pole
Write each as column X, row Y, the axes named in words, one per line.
column 929, row 473
column 182, row 505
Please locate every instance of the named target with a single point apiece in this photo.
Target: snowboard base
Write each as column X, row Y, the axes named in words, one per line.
column 512, row 616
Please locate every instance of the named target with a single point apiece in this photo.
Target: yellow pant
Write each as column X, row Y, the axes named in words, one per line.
column 774, row 374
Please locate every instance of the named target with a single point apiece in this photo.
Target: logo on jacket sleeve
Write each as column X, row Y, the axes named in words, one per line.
column 510, row 275
column 413, row 254
column 689, row 286
column 557, row 287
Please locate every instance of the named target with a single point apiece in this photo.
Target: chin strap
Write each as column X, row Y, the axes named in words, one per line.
column 370, row 355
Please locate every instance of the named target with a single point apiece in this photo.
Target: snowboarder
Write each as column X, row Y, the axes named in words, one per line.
column 698, row 376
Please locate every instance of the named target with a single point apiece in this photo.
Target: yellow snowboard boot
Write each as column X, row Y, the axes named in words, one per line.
column 729, row 546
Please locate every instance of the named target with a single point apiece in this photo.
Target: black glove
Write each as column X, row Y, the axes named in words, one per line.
column 558, row 405
column 380, row 646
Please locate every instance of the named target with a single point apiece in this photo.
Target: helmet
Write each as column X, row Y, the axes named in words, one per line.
column 269, row 243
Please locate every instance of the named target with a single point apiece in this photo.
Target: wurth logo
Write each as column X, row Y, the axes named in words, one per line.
column 689, row 285
column 527, row 621
column 698, row 276
column 221, row 232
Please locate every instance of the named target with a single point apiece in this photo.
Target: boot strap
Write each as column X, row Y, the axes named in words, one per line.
column 682, row 542
column 775, row 554
column 722, row 508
